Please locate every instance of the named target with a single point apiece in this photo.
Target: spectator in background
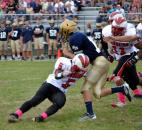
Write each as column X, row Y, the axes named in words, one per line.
column 112, row 8
column 78, row 4
column 35, row 4
column 44, row 5
column 138, row 5
column 120, row 9
column 12, row 6
column 21, row 10
column 38, row 39
column 50, row 8
column 132, row 13
column 29, row 9
column 59, row 7
column 70, row 6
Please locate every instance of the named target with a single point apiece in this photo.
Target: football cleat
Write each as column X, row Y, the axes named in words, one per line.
column 87, row 116
column 38, row 119
column 118, row 104
column 127, row 91
column 13, row 117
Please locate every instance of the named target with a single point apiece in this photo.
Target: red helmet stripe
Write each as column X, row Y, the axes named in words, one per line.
column 86, row 61
column 82, row 60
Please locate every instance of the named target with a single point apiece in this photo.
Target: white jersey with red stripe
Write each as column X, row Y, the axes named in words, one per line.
column 121, row 48
column 64, row 64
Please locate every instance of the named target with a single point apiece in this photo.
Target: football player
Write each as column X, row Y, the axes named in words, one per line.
column 97, row 34
column 15, row 41
column 123, row 52
column 52, row 38
column 3, row 40
column 76, row 42
column 38, row 39
column 66, row 73
column 133, row 38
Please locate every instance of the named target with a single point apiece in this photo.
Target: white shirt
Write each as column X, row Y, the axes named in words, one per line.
column 64, row 64
column 120, row 49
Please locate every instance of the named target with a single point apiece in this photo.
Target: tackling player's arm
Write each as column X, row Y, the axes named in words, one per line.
column 124, row 38
column 66, row 50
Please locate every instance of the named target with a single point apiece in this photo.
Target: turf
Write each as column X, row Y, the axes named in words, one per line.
column 19, row 81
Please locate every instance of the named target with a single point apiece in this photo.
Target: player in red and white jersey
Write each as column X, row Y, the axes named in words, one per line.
column 123, row 51
column 66, row 73
column 72, row 71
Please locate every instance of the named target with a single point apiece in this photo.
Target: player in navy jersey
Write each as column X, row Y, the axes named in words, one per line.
column 3, row 40
column 66, row 73
column 52, row 38
column 15, row 41
column 96, row 78
column 38, row 39
column 26, row 39
column 97, row 34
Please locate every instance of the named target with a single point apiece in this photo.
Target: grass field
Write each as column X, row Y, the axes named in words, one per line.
column 18, row 82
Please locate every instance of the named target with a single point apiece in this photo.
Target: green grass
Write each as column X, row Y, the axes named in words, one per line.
column 20, row 80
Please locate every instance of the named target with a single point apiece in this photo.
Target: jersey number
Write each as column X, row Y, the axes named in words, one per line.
column 97, row 35
column 3, row 35
column 53, row 33
column 68, row 83
column 121, row 49
column 15, row 33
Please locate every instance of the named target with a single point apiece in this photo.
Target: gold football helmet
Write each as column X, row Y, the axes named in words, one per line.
column 67, row 27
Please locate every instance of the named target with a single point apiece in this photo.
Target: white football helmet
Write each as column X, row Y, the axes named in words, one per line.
column 119, row 26
column 80, row 61
column 114, row 15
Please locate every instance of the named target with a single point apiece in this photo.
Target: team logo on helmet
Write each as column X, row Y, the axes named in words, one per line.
column 67, row 27
column 119, row 25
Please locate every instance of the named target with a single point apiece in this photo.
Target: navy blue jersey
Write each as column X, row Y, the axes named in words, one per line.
column 79, row 43
column 38, row 27
column 27, row 34
column 3, row 34
column 52, row 31
column 97, row 34
column 16, row 33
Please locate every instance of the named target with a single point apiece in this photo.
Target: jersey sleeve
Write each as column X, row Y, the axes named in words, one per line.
column 106, row 31
column 131, row 31
column 59, row 64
